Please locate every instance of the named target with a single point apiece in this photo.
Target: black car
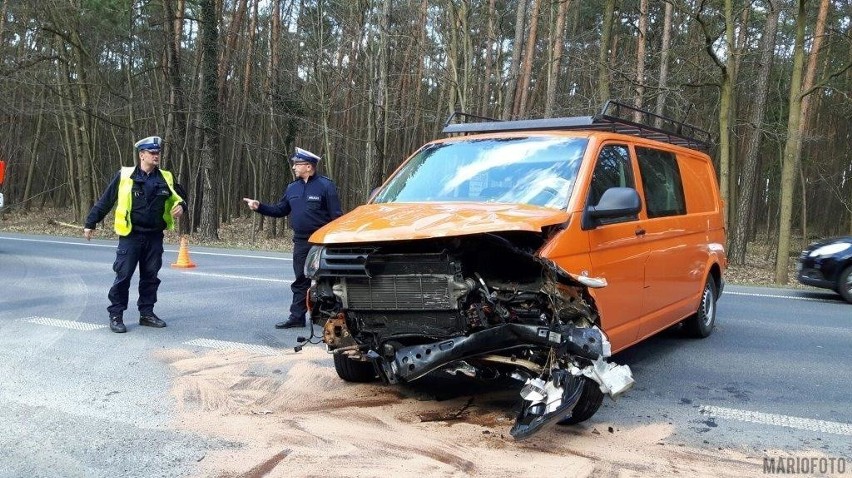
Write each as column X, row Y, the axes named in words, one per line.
column 828, row 264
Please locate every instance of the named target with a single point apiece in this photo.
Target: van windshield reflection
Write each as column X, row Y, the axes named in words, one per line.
column 539, row 171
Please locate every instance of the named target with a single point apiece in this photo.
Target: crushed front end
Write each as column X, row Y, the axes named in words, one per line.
column 482, row 305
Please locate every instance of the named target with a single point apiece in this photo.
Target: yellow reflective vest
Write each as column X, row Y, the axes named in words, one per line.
column 125, row 201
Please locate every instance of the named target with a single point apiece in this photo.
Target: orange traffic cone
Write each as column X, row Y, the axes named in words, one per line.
column 183, row 260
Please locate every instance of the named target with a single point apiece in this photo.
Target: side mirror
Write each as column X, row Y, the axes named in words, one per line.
column 615, row 203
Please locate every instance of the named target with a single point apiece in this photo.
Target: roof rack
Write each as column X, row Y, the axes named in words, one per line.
column 611, row 118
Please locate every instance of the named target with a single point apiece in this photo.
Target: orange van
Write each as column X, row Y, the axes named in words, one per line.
column 532, row 249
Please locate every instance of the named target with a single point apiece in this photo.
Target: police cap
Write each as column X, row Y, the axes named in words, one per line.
column 305, row 155
column 151, row 143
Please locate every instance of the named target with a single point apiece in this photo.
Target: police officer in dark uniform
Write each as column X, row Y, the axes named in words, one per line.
column 311, row 202
column 147, row 203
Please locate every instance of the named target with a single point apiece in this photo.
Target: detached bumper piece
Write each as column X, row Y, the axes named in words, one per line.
column 411, row 363
column 546, row 402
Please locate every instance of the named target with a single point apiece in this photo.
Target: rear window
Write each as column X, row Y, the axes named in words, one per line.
column 536, row 170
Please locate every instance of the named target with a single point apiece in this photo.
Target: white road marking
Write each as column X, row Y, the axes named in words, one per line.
column 231, row 276
column 837, row 428
column 777, row 296
column 65, row 324
column 222, row 345
column 200, row 253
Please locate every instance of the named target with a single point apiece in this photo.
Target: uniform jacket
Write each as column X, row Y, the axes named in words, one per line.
column 310, row 205
column 149, row 195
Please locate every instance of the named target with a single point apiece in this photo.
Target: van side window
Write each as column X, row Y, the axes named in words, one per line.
column 662, row 182
column 612, row 170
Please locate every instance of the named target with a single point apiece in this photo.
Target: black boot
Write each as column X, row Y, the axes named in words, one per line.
column 151, row 320
column 290, row 323
column 116, row 324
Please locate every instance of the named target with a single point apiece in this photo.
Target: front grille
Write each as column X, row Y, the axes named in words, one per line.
column 398, row 292
column 343, row 262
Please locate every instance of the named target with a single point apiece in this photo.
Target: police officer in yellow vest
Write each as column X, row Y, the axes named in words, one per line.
column 147, row 204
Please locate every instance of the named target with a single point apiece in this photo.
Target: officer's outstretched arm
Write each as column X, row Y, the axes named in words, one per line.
column 253, row 204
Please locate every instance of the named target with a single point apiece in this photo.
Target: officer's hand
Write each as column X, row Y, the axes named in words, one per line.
column 88, row 233
column 177, row 211
column 253, row 204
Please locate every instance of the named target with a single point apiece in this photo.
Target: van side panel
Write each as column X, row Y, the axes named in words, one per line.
column 679, row 255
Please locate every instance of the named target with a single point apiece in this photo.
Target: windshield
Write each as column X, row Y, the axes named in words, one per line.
column 536, row 170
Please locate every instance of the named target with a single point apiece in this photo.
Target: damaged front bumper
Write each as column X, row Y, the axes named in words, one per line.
column 411, row 363
column 549, row 393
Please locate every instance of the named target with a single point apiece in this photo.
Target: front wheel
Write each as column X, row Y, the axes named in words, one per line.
column 844, row 284
column 701, row 323
column 354, row 370
column 587, row 405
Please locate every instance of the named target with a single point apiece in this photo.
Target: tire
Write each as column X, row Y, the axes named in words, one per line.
column 702, row 322
column 844, row 284
column 588, row 404
column 354, row 370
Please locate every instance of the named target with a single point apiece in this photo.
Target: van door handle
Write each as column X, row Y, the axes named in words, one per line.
column 640, row 232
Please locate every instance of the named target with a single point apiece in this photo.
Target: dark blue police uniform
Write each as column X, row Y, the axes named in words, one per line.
column 310, row 205
column 144, row 244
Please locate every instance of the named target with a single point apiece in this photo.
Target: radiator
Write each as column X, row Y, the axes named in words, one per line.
column 399, row 292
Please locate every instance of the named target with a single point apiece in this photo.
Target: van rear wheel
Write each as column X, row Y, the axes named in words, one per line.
column 354, row 370
column 701, row 323
column 587, row 405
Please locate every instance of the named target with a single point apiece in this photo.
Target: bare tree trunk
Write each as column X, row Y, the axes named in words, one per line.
column 209, row 30
column 726, row 101
column 665, row 48
column 514, row 67
column 378, row 103
column 742, row 220
column 796, row 123
column 529, row 57
column 452, row 61
column 638, row 98
column 68, row 126
column 490, row 41
column 726, row 96
column 557, row 46
column 603, row 54
column 176, row 147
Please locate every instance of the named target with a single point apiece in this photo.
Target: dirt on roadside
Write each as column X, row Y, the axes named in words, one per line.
column 290, row 415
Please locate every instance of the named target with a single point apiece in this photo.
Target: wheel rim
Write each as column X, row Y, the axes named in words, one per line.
column 849, row 284
column 707, row 306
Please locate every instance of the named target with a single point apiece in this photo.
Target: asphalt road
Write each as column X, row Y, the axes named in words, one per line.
column 78, row 400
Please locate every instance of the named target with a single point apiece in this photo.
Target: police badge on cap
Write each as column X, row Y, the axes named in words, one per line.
column 305, row 155
column 151, row 143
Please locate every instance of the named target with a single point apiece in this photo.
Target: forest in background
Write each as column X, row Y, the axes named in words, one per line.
column 234, row 85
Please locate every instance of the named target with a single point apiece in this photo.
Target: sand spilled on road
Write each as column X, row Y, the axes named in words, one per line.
column 290, row 415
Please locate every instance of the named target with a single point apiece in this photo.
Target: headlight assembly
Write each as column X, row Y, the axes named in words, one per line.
column 312, row 263
column 830, row 249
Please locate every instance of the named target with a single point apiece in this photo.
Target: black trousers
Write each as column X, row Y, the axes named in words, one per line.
column 300, row 286
column 146, row 250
